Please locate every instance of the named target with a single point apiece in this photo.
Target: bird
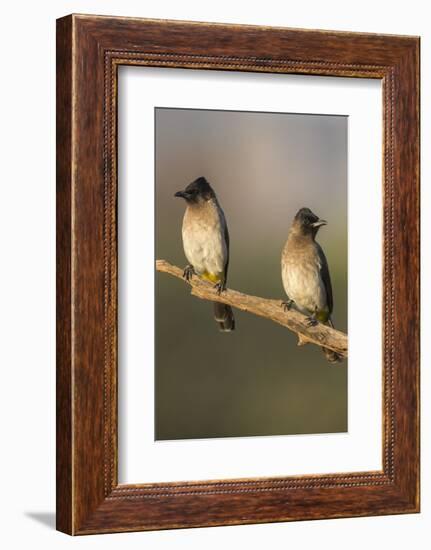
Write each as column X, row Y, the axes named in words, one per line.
column 305, row 273
column 206, row 243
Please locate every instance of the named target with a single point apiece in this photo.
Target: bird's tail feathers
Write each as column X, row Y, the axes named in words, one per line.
column 223, row 314
column 332, row 356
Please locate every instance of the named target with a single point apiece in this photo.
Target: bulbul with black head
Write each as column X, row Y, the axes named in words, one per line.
column 305, row 273
column 206, row 243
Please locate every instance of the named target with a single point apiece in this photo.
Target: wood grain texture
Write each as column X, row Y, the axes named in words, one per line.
column 90, row 49
column 266, row 308
column 64, row 497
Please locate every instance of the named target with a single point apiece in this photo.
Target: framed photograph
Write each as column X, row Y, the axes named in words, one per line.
column 237, row 274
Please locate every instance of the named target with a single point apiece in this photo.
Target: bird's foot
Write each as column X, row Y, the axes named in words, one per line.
column 188, row 272
column 287, row 305
column 311, row 321
column 220, row 287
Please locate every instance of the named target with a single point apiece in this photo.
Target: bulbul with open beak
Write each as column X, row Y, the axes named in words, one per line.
column 305, row 273
column 206, row 243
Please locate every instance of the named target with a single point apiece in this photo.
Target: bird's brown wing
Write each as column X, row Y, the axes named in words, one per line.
column 226, row 238
column 324, row 274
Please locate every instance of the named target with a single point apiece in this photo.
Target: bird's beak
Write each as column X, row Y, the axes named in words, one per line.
column 319, row 223
column 181, row 194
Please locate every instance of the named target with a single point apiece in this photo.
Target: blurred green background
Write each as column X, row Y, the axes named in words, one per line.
column 255, row 380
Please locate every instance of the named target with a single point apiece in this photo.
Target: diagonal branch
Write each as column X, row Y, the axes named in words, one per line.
column 320, row 335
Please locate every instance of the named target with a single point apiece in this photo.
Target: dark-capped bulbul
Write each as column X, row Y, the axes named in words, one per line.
column 206, row 243
column 305, row 273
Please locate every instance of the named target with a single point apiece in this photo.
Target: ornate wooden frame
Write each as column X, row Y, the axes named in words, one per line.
column 89, row 50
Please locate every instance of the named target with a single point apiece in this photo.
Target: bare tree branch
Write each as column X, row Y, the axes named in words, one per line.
column 320, row 334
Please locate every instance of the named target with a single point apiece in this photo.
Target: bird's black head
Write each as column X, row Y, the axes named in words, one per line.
column 306, row 222
column 197, row 191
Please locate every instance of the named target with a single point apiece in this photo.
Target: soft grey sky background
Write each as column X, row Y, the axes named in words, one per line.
column 263, row 167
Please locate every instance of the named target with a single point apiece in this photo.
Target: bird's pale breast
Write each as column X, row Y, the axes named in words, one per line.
column 203, row 239
column 301, row 278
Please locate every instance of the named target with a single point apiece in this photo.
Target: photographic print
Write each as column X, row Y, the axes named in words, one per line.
column 253, row 202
